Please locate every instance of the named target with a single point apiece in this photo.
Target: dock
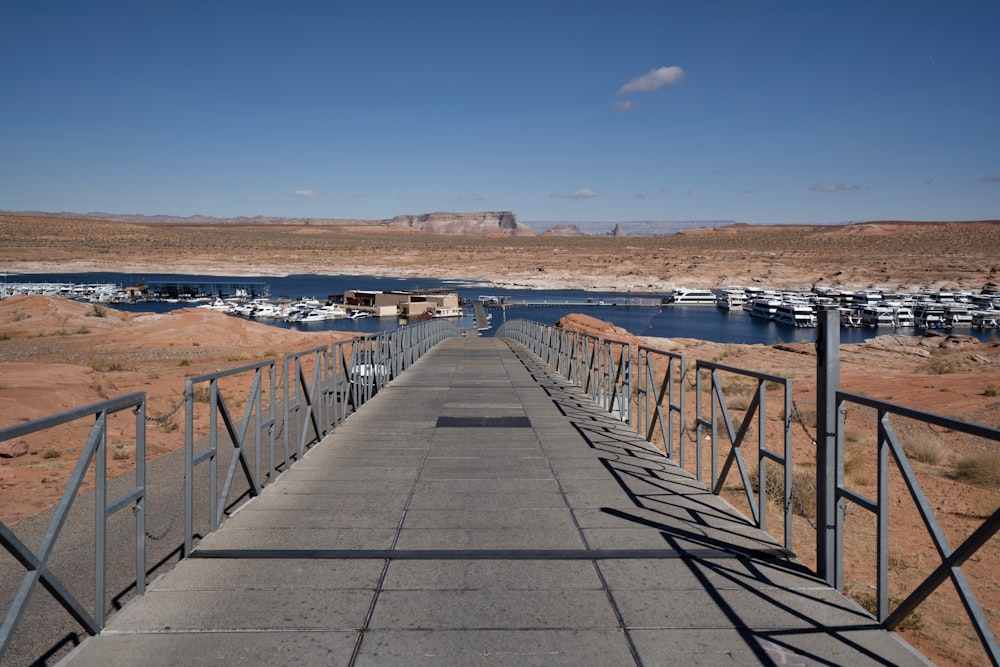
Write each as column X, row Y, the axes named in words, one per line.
column 481, row 510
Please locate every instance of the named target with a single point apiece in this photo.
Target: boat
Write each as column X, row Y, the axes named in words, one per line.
column 877, row 316
column 794, row 314
column 731, row 298
column 358, row 314
column 903, row 317
column 442, row 311
column 764, row 308
column 958, row 314
column 693, row 297
column 219, row 305
column 929, row 315
column 986, row 319
column 849, row 317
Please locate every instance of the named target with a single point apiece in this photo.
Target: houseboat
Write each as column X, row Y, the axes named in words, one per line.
column 764, row 308
column 929, row 315
column 795, row 314
column 877, row 316
column 986, row 319
column 731, row 298
column 692, row 297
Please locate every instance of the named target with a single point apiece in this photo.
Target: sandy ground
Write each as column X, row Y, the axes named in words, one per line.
column 56, row 355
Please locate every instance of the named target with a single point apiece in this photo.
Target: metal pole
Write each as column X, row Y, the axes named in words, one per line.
column 827, row 384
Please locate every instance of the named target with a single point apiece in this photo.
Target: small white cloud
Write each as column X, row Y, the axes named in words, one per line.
column 834, row 187
column 641, row 194
column 653, row 79
column 585, row 193
column 311, row 194
column 990, row 179
column 472, row 197
column 624, row 105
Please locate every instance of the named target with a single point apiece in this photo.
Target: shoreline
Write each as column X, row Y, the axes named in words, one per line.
column 488, row 280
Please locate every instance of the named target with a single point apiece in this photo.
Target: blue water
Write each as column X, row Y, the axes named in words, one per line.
column 702, row 322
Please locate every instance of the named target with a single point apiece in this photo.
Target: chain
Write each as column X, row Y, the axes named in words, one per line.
column 802, row 422
column 170, row 524
column 167, row 416
column 797, row 499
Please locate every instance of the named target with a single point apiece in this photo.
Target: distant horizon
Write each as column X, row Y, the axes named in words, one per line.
column 588, row 227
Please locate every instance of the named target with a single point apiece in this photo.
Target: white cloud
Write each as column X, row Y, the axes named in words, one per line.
column 834, row 187
column 653, row 79
column 990, row 179
column 473, row 197
column 311, row 194
column 585, row 193
column 624, row 105
column 641, row 194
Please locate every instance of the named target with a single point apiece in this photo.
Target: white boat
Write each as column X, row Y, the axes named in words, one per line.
column 986, row 319
column 694, row 297
column 731, row 298
column 903, row 317
column 448, row 312
column 219, row 305
column 358, row 314
column 929, row 315
column 795, row 314
column 877, row 316
column 764, row 308
column 849, row 317
column 958, row 314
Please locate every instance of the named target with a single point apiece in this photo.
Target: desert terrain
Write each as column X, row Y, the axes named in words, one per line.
column 55, row 354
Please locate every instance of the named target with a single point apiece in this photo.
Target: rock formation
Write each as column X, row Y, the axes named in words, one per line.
column 492, row 223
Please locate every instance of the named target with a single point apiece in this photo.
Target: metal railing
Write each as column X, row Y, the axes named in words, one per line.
column 736, row 436
column 952, row 560
column 320, row 387
column 660, row 404
column 246, row 442
column 600, row 367
column 36, row 563
column 660, row 386
column 306, row 413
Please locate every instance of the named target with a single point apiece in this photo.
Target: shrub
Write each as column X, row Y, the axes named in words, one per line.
column 982, row 469
column 98, row 311
column 991, row 390
column 926, row 447
column 52, row 454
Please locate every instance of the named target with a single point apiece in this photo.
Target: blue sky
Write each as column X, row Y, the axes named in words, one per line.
column 756, row 111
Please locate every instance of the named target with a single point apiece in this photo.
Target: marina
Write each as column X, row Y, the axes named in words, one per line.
column 733, row 320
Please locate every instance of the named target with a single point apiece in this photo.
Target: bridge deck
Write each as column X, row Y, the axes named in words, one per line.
column 481, row 511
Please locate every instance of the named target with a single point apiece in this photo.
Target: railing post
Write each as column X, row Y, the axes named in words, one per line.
column 827, row 384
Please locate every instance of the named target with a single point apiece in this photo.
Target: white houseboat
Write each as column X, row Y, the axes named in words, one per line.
column 694, row 297
column 764, row 308
column 795, row 314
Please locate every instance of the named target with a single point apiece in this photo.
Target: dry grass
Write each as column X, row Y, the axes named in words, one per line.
column 926, row 447
column 980, row 469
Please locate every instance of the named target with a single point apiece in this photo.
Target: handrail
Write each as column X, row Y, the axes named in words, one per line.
column 951, row 559
column 651, row 392
column 343, row 376
column 241, row 437
column 94, row 451
column 757, row 408
column 304, row 404
column 601, row 367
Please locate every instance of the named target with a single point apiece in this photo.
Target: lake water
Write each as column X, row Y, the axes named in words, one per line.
column 702, row 322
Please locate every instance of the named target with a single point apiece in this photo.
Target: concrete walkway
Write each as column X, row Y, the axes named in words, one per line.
column 480, row 511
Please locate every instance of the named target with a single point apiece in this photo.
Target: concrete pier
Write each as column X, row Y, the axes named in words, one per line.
column 481, row 511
